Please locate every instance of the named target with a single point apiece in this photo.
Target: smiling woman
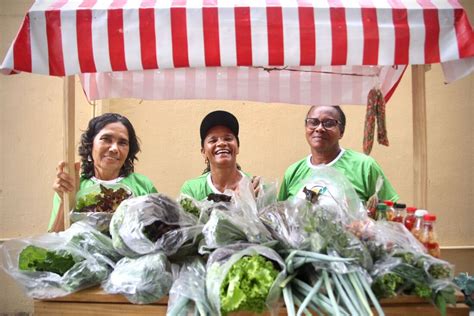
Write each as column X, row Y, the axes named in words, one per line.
column 108, row 151
column 219, row 147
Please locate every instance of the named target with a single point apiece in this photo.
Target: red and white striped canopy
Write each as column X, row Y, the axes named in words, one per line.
column 67, row 37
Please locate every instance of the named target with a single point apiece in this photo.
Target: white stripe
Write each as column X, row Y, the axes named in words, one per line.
column 442, row 4
column 40, row 6
column 164, row 47
column 194, row 22
column 227, row 45
column 258, row 18
column 7, row 64
column 323, row 33
column 448, row 42
column 69, row 38
column 39, row 43
column 100, row 43
column 291, row 32
column 417, row 33
column 386, row 34
column 131, row 38
column 355, row 33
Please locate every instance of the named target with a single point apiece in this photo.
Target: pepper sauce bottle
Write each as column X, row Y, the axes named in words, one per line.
column 399, row 215
column 418, row 226
column 429, row 237
column 381, row 214
column 410, row 218
column 390, row 211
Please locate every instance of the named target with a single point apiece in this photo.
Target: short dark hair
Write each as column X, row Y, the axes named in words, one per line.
column 87, row 139
column 342, row 116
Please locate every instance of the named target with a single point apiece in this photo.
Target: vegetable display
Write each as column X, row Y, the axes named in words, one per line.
column 322, row 254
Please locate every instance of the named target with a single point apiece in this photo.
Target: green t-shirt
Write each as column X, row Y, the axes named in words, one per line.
column 137, row 183
column 361, row 170
column 199, row 188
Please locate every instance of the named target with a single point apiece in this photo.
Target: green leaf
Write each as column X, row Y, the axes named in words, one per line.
column 34, row 258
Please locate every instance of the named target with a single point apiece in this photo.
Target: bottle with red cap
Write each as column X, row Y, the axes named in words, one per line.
column 428, row 235
column 390, row 211
column 410, row 218
column 399, row 215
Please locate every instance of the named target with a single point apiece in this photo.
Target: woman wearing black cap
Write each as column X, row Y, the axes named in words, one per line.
column 219, row 147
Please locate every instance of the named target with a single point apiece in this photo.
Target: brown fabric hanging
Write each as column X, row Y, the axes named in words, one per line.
column 375, row 113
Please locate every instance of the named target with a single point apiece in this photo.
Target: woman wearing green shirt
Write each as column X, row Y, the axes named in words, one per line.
column 220, row 143
column 108, row 151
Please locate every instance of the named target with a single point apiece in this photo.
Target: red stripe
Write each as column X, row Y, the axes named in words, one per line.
column 243, row 36
column 307, row 34
column 55, row 46
column 464, row 34
column 371, row 36
column 276, row 55
column 392, row 90
column 115, row 36
column 210, row 20
column 84, row 36
column 179, row 36
column 339, row 33
column 402, row 32
column 430, row 16
column 146, row 20
column 22, row 47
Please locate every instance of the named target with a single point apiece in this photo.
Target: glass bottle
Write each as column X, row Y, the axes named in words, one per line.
column 429, row 237
column 399, row 215
column 417, row 227
column 390, row 211
column 381, row 214
column 410, row 218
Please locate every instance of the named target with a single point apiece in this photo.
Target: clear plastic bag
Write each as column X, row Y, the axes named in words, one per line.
column 188, row 293
column 86, row 256
column 222, row 260
column 142, row 280
column 151, row 223
column 94, row 208
column 331, row 190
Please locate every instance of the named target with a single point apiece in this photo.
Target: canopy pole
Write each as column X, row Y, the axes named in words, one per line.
column 68, row 141
column 420, row 143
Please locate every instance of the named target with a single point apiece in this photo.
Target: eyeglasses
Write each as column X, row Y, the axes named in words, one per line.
column 327, row 123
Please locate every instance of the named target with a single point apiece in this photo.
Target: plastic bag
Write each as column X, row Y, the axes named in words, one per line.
column 96, row 204
column 221, row 262
column 151, row 223
column 80, row 257
column 331, row 190
column 188, row 293
column 141, row 280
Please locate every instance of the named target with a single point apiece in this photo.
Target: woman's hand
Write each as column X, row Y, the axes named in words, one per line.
column 256, row 185
column 64, row 183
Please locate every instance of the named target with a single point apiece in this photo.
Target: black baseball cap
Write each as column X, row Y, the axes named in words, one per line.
column 217, row 118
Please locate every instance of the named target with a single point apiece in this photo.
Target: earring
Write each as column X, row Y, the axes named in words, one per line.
column 89, row 158
column 206, row 161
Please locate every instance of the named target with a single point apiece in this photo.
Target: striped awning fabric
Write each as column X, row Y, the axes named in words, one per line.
column 67, row 37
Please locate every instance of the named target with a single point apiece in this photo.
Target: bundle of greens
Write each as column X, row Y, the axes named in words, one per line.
column 414, row 274
column 95, row 205
column 104, row 200
column 244, row 278
column 188, row 292
column 142, row 280
column 189, row 206
column 151, row 223
column 54, row 265
column 466, row 283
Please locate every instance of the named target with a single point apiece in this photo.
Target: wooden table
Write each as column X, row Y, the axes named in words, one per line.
column 95, row 302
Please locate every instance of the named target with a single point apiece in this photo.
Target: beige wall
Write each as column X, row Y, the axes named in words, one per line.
column 271, row 138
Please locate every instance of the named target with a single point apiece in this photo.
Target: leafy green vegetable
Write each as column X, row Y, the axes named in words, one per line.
column 188, row 205
column 34, row 258
column 466, row 284
column 247, row 284
column 107, row 200
column 387, row 285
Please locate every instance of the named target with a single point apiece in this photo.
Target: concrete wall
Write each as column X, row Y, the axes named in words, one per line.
column 272, row 137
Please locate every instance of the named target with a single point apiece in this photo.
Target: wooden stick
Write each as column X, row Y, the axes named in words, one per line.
column 420, row 143
column 68, row 142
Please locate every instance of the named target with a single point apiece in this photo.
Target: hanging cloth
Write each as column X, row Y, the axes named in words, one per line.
column 375, row 112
